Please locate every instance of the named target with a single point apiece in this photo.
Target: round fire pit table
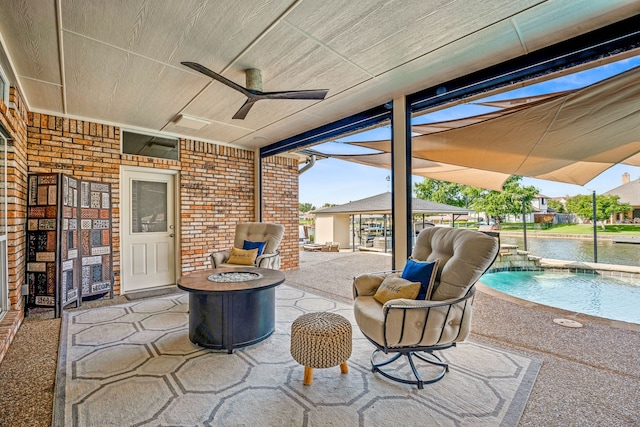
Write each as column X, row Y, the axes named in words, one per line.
column 231, row 308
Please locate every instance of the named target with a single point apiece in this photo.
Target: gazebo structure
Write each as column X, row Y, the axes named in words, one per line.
column 366, row 222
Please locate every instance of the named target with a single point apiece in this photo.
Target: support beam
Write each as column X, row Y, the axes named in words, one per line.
column 401, row 182
column 257, row 184
column 595, row 227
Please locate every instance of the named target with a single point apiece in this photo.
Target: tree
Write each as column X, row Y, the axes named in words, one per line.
column 506, row 202
column 493, row 203
column 556, row 205
column 445, row 192
column 606, row 206
column 306, row 207
column 328, row 205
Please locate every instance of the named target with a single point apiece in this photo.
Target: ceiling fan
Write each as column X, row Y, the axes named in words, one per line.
column 253, row 91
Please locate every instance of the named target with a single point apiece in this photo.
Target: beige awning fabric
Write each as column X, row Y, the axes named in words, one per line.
column 435, row 170
column 568, row 137
column 526, row 101
column 506, row 107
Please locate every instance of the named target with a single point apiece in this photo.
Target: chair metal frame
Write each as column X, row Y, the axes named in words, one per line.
column 424, row 353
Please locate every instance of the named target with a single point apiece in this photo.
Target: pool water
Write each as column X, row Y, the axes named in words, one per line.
column 609, row 297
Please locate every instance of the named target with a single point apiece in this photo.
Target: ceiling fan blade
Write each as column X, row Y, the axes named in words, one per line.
column 242, row 112
column 255, row 95
column 296, row 94
column 207, row 72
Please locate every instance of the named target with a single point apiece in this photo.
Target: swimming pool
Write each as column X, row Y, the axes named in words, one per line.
column 610, row 297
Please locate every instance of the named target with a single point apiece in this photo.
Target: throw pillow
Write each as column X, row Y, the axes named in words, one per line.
column 393, row 287
column 368, row 283
column 248, row 244
column 242, row 256
column 423, row 272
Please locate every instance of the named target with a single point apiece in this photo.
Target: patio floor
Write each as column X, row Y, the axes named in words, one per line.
column 589, row 376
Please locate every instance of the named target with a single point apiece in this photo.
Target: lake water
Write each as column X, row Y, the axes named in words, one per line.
column 578, row 250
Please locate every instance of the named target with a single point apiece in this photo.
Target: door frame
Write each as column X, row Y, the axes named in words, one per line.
column 124, row 215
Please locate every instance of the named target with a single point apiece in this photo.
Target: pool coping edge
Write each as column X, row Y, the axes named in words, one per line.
column 573, row 315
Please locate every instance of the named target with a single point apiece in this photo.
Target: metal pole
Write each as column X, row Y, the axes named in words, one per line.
column 524, row 224
column 595, row 229
column 384, row 232
column 353, row 233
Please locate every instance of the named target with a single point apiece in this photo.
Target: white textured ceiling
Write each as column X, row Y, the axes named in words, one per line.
column 118, row 61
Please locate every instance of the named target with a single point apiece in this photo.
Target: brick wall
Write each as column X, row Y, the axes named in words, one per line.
column 216, row 192
column 13, row 118
column 280, row 204
column 216, row 184
column 81, row 149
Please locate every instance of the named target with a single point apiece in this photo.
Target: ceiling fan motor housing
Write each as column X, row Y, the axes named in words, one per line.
column 254, row 79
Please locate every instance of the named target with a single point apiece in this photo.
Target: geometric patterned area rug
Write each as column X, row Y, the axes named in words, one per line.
column 133, row 365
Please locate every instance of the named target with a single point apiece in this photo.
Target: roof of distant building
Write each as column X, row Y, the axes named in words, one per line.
column 628, row 193
column 381, row 204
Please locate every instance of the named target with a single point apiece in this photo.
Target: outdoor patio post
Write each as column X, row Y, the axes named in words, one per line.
column 257, row 185
column 401, row 181
column 353, row 233
column 524, row 224
column 595, row 229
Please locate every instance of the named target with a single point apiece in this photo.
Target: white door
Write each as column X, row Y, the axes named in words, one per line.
column 147, row 229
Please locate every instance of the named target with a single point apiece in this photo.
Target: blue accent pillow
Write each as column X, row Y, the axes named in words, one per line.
column 248, row 244
column 423, row 272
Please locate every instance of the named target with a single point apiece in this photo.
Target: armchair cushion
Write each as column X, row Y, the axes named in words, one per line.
column 368, row 283
column 248, row 244
column 400, row 322
column 423, row 272
column 218, row 258
column 242, row 256
column 271, row 261
column 271, row 234
column 464, row 256
column 396, row 287
column 253, row 236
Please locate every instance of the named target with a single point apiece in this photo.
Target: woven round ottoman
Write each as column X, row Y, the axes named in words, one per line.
column 320, row 340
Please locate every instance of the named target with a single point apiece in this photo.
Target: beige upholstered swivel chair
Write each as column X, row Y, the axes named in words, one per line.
column 413, row 327
column 271, row 234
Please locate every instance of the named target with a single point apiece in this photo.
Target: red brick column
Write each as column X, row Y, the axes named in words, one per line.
column 280, row 204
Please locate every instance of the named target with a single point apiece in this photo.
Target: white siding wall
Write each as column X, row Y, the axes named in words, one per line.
column 324, row 229
column 341, row 230
column 333, row 228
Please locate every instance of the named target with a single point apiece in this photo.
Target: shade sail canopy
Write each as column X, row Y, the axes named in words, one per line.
column 435, row 170
column 568, row 137
column 507, row 106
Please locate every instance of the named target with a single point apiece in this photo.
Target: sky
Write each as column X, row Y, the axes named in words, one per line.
column 337, row 181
